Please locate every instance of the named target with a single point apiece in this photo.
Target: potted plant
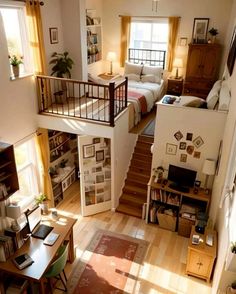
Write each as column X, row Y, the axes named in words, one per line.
column 231, row 257
column 213, row 32
column 233, row 287
column 15, row 63
column 62, row 65
column 42, row 201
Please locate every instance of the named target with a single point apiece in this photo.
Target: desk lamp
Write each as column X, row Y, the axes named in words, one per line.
column 178, row 63
column 111, row 56
column 209, row 169
column 14, row 211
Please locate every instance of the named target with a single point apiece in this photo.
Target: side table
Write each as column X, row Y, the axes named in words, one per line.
column 174, row 86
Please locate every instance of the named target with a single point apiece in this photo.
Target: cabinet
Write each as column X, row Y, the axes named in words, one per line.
column 174, row 86
column 181, row 206
column 202, row 69
column 201, row 257
column 8, row 175
column 94, row 43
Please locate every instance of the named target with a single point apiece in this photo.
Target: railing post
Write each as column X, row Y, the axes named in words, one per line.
column 42, row 94
column 126, row 91
column 112, row 104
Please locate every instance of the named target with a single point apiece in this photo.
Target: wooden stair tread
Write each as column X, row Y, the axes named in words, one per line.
column 135, row 189
column 129, row 210
column 146, row 139
column 133, row 198
column 137, row 175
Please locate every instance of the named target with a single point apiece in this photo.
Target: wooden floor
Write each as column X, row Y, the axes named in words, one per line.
column 163, row 270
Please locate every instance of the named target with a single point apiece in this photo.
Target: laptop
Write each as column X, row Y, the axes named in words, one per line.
column 37, row 230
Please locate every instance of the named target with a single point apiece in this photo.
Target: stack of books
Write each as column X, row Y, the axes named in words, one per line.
column 6, row 247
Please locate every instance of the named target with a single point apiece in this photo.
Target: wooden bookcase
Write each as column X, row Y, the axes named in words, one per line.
column 8, row 174
column 162, row 198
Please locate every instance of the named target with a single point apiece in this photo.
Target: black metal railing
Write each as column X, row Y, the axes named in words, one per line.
column 78, row 99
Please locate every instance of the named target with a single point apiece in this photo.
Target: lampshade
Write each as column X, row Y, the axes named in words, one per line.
column 209, row 167
column 111, row 56
column 13, row 211
column 178, row 62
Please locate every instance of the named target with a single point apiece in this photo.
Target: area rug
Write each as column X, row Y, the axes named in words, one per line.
column 149, row 129
column 109, row 265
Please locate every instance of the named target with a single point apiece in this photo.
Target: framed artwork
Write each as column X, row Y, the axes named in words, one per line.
column 183, row 157
column 178, row 135
column 198, row 142
column 183, row 41
column 53, row 32
column 200, row 28
column 232, row 53
column 99, row 178
column 88, row 151
column 189, row 136
column 190, row 149
column 197, row 154
column 182, row 145
column 171, row 149
column 96, row 140
column 99, row 155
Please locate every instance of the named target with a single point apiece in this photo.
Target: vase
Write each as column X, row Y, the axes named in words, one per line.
column 213, row 39
column 16, row 70
column 44, row 207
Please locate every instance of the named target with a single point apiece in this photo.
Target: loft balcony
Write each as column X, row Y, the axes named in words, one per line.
column 81, row 100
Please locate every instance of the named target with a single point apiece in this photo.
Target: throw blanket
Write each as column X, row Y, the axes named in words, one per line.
column 140, row 98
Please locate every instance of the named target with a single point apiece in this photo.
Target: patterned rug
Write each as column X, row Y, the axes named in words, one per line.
column 109, row 265
column 149, row 129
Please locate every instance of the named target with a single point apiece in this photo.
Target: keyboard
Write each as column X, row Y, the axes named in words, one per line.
column 42, row 231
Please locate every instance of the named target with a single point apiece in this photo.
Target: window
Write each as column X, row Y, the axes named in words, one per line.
column 26, row 164
column 14, row 22
column 149, row 34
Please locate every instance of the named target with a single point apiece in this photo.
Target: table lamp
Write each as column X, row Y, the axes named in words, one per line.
column 178, row 63
column 14, row 211
column 111, row 56
column 209, row 169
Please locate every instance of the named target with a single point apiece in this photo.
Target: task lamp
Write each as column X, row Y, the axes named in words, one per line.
column 178, row 63
column 111, row 56
column 209, row 169
column 14, row 212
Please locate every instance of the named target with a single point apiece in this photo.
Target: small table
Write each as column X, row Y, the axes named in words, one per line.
column 107, row 76
column 175, row 86
column 201, row 257
column 40, row 253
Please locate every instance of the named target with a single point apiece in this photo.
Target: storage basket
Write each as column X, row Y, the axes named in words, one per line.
column 185, row 226
column 166, row 221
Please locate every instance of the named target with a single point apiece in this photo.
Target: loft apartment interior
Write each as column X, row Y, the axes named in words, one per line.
column 119, row 116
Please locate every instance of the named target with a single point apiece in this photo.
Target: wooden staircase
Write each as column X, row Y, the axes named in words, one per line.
column 135, row 189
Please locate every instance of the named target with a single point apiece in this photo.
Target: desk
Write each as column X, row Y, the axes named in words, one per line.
column 40, row 253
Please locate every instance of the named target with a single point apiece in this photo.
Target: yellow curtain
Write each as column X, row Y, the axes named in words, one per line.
column 173, row 30
column 43, row 151
column 36, row 35
column 125, row 34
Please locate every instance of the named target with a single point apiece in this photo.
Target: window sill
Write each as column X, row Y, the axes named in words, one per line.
column 21, row 76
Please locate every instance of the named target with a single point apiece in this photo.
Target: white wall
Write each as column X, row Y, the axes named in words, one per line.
column 170, row 119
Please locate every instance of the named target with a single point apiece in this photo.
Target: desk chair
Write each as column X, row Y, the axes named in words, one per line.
column 57, row 268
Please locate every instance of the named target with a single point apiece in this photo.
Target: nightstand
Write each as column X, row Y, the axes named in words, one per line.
column 174, row 86
column 107, row 76
column 201, row 257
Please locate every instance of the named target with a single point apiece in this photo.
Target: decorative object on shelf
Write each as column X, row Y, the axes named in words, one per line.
column 209, row 169
column 158, row 173
column 15, row 62
column 200, row 27
column 232, row 53
column 14, row 212
column 62, row 65
column 111, row 56
column 178, row 63
column 213, row 32
column 53, row 32
column 42, row 201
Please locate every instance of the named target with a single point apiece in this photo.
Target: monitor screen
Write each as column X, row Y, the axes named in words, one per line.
column 182, row 176
column 33, row 217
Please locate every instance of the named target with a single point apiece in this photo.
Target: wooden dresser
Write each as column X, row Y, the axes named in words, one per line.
column 201, row 257
column 202, row 69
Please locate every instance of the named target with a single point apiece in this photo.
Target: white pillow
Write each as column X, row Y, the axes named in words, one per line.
column 224, row 99
column 149, row 79
column 153, row 70
column 213, row 96
column 131, row 68
column 133, row 77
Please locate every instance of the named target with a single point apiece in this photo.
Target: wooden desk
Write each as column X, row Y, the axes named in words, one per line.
column 40, row 253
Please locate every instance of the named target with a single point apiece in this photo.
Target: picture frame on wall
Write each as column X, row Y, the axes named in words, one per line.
column 53, row 32
column 232, row 53
column 171, row 149
column 200, row 29
column 99, row 155
column 88, row 151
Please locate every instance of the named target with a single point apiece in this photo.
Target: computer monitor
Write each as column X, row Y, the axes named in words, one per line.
column 181, row 176
column 33, row 217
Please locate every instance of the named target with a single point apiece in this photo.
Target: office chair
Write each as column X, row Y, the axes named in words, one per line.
column 57, row 268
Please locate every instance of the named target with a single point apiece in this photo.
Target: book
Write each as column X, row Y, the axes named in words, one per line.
column 22, row 261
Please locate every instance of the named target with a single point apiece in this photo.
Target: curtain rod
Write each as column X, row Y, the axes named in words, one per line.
column 149, row 16
column 41, row 2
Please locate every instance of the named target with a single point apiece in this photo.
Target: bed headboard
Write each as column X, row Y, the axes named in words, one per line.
column 147, row 56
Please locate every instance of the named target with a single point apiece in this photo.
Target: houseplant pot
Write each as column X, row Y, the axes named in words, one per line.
column 42, row 201
column 213, row 32
column 16, row 70
column 15, row 63
column 231, row 258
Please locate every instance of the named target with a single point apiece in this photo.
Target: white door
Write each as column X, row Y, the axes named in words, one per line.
column 95, row 174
